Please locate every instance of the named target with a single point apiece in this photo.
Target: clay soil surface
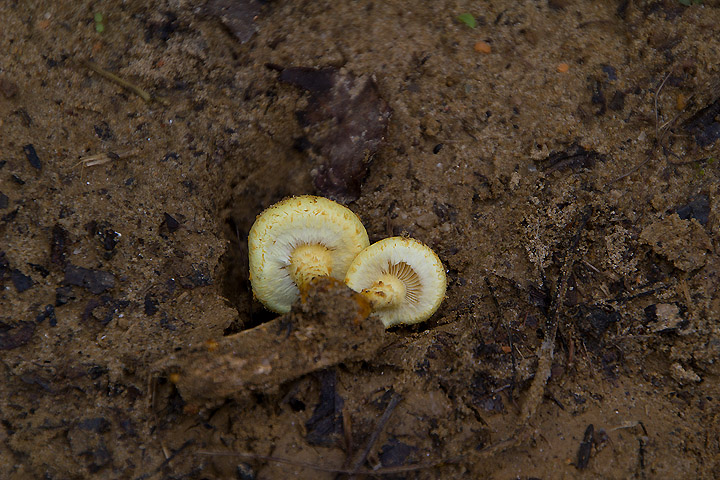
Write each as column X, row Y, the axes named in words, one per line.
column 561, row 157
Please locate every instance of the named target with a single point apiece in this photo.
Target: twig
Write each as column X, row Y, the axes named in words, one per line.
column 689, row 162
column 630, row 424
column 631, row 171
column 657, row 92
column 102, row 158
column 667, row 124
column 633, row 337
column 547, row 348
column 394, row 400
column 122, row 82
column 167, row 460
column 321, row 468
column 643, row 291
column 585, row 450
column 658, row 139
column 97, row 159
column 509, row 335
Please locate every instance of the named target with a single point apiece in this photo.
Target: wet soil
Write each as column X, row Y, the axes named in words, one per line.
column 560, row 157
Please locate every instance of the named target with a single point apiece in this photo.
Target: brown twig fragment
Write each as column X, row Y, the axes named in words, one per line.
column 632, row 170
column 394, row 400
column 321, row 468
column 98, row 159
column 657, row 119
column 508, row 332
column 585, row 449
column 122, row 82
column 547, row 348
column 103, row 158
column 660, row 134
column 536, row 392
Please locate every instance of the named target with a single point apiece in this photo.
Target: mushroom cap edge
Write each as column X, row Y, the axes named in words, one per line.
column 375, row 259
column 289, row 223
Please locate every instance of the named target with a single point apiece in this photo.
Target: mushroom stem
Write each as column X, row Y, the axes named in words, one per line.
column 309, row 261
column 387, row 291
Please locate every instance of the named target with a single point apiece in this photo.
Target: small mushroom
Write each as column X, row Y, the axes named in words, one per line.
column 298, row 239
column 403, row 279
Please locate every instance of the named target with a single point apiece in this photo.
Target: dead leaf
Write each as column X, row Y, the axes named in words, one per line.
column 345, row 121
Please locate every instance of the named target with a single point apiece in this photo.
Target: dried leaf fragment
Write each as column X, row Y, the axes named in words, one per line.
column 346, row 120
column 238, row 16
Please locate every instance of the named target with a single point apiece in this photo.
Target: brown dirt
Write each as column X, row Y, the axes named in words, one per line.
column 110, row 273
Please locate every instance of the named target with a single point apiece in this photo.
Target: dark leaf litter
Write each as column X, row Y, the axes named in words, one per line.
column 97, row 281
column 238, row 16
column 32, row 156
column 357, row 117
column 325, row 426
column 704, row 125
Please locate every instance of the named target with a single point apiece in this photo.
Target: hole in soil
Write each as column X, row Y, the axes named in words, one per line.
column 235, row 282
column 248, row 197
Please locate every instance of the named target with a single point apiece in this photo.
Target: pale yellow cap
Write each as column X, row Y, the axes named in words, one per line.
column 290, row 223
column 425, row 279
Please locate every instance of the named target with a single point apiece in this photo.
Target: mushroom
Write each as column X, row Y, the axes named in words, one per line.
column 296, row 240
column 403, row 279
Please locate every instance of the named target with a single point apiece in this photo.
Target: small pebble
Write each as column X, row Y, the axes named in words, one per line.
column 610, row 72
column 21, row 281
column 680, row 102
column 483, row 47
column 8, row 88
column 172, row 224
column 563, row 68
column 32, row 156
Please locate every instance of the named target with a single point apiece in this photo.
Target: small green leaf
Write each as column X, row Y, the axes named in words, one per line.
column 99, row 25
column 468, row 19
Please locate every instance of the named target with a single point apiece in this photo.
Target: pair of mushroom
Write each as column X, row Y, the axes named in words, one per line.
column 304, row 237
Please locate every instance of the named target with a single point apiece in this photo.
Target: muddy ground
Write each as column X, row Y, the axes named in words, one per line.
column 560, row 157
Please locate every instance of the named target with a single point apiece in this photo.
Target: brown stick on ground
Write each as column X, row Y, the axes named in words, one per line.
column 122, row 82
column 321, row 468
column 357, row 465
column 508, row 331
column 329, row 326
column 547, row 348
column 546, row 351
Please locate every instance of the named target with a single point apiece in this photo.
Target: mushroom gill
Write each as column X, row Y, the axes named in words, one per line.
column 403, row 279
column 296, row 240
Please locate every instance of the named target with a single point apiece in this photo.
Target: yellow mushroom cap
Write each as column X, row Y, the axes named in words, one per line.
column 410, row 261
column 295, row 222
